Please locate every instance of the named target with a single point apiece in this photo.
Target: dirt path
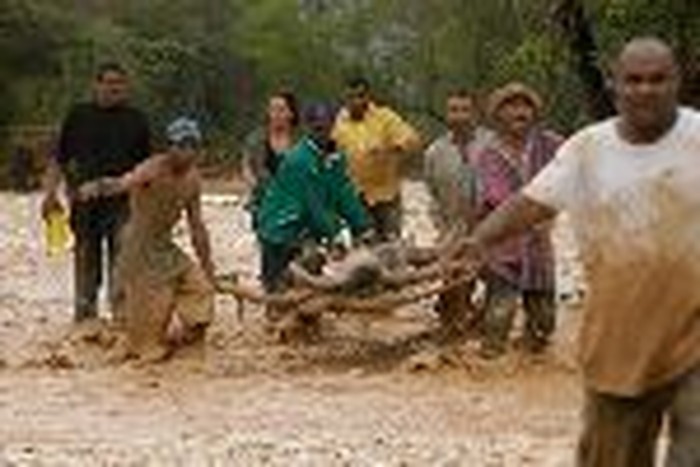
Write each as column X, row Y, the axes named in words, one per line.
column 366, row 395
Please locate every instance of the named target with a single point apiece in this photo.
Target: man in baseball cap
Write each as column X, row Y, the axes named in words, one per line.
column 166, row 298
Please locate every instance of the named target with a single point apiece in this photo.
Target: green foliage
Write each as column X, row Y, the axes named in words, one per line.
column 27, row 35
column 217, row 59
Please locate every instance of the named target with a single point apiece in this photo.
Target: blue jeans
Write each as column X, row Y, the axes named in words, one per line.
column 94, row 224
column 274, row 263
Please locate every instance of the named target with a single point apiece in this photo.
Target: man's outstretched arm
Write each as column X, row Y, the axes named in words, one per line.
column 513, row 217
column 198, row 230
column 141, row 175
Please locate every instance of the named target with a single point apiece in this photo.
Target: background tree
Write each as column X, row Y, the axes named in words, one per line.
column 217, row 59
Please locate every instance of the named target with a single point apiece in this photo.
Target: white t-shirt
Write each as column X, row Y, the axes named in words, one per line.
column 635, row 211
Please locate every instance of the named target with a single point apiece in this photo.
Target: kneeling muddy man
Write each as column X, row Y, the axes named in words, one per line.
column 160, row 286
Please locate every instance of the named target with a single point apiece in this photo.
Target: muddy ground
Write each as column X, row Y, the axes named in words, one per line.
column 374, row 391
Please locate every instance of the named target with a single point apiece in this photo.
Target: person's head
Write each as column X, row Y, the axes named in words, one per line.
column 460, row 111
column 514, row 108
column 282, row 111
column 111, row 85
column 646, row 82
column 357, row 97
column 184, row 142
column 319, row 119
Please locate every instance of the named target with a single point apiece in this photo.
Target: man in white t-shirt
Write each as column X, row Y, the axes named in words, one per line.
column 632, row 188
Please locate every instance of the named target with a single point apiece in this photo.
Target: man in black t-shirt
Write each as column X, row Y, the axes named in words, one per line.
column 104, row 137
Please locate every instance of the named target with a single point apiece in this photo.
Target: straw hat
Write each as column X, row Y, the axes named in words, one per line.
column 512, row 90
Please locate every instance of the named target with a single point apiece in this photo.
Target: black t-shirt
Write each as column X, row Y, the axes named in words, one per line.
column 97, row 142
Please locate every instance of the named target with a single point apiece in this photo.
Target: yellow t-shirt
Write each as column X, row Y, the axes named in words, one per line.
column 373, row 146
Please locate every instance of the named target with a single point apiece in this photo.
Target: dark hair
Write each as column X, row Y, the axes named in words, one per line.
column 357, row 82
column 109, row 67
column 461, row 93
column 292, row 103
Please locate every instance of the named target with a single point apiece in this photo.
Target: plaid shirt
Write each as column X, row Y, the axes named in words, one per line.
column 526, row 261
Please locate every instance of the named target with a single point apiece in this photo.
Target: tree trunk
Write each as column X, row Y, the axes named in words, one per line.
column 577, row 30
column 687, row 52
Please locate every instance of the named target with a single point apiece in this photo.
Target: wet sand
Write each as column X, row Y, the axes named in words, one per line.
column 370, row 393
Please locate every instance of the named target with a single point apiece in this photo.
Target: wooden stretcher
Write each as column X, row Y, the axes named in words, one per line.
column 384, row 291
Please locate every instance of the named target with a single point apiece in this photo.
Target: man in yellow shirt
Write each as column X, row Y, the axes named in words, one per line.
column 374, row 138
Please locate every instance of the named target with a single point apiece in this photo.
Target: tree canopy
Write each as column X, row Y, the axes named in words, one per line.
column 217, row 59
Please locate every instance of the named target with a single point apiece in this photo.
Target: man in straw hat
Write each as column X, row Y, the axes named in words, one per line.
column 523, row 268
column 630, row 185
column 167, row 299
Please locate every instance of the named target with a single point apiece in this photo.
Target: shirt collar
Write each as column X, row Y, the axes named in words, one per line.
column 345, row 114
column 312, row 144
column 321, row 158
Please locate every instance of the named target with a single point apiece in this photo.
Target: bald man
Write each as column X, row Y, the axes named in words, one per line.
column 631, row 186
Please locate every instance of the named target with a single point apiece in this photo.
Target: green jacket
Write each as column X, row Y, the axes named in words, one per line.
column 309, row 197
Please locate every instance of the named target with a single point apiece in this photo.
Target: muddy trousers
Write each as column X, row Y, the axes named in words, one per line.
column 623, row 432
column 274, row 261
column 502, row 301
column 385, row 219
column 456, row 309
column 149, row 307
column 95, row 225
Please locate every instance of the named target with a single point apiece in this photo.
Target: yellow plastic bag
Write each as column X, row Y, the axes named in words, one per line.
column 57, row 233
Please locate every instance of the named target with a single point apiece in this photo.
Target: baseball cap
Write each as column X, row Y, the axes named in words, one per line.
column 183, row 130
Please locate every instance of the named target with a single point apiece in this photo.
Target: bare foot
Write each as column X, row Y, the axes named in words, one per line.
column 194, row 335
column 153, row 355
column 183, row 336
column 124, row 351
column 299, row 329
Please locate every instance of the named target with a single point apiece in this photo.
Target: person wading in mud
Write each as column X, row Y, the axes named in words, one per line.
column 522, row 269
column 630, row 185
column 310, row 199
column 452, row 184
column 160, row 284
column 104, row 137
column 375, row 138
column 264, row 150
